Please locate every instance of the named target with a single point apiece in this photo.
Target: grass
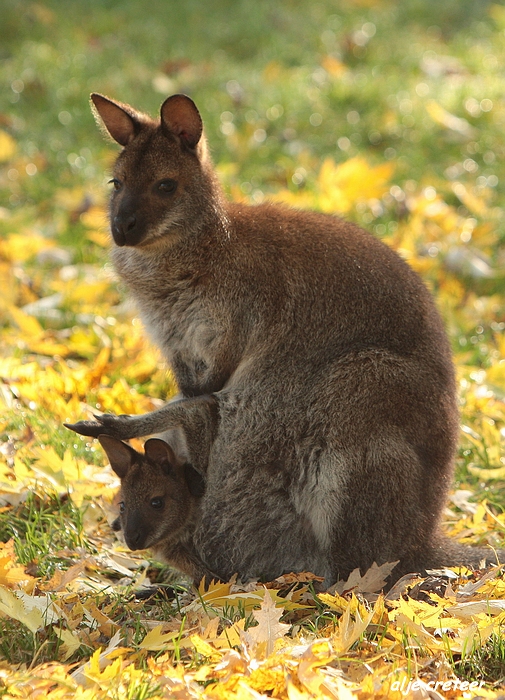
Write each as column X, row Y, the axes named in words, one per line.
column 41, row 530
column 281, row 87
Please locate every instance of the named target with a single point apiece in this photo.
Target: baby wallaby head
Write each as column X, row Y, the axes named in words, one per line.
column 163, row 178
column 159, row 493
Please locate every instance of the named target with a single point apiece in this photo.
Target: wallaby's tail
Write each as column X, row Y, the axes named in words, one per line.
column 446, row 552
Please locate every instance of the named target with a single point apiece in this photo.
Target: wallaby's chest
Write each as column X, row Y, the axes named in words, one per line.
column 189, row 338
column 179, row 317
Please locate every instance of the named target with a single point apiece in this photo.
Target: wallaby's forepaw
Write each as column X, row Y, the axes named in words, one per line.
column 106, row 424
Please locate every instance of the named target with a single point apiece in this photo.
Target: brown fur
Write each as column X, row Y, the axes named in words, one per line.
column 337, row 400
column 159, row 507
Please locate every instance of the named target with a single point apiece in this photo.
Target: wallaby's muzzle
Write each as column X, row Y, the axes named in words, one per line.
column 125, row 230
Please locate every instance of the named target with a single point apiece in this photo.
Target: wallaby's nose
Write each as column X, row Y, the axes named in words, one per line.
column 123, row 229
column 132, row 539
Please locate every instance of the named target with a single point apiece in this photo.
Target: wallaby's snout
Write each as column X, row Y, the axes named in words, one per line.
column 125, row 230
column 134, row 535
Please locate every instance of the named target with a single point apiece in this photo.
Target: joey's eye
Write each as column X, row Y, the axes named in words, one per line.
column 116, row 183
column 121, row 507
column 157, row 503
column 167, row 186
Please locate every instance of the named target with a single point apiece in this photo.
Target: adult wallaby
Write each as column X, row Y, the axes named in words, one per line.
column 160, row 502
column 329, row 362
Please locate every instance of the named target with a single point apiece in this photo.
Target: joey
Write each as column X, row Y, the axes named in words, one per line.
column 328, row 364
column 160, row 497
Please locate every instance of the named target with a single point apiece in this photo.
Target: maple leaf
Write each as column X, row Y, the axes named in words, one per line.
column 98, row 667
column 12, row 606
column 373, row 581
column 318, row 654
column 70, row 643
column 155, row 640
column 269, row 627
column 348, row 631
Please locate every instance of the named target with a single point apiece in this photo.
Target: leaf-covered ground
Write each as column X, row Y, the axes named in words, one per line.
column 391, row 114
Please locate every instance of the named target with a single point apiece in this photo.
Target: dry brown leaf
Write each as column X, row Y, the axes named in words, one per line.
column 373, row 581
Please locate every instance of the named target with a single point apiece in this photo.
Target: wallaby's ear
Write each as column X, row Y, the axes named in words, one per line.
column 120, row 120
column 121, row 456
column 159, row 452
column 180, row 117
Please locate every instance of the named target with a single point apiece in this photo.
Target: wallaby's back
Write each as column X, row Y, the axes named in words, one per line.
column 336, row 391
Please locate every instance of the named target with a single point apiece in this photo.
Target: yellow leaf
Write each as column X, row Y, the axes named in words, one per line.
column 407, row 626
column 48, row 347
column 230, row 636
column 418, row 611
column 341, row 186
column 12, row 606
column 348, row 631
column 70, row 643
column 266, row 679
column 95, row 218
column 28, row 325
column 11, row 573
column 88, row 292
column 318, row 654
column 7, row 146
column 19, row 247
column 334, row 602
column 61, row 472
column 204, row 648
column 215, row 590
column 155, row 640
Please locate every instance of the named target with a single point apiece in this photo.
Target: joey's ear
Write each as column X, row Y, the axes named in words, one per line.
column 194, row 480
column 121, row 456
column 159, row 452
column 121, row 121
column 180, row 117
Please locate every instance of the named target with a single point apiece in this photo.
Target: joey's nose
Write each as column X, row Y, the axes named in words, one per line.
column 123, row 230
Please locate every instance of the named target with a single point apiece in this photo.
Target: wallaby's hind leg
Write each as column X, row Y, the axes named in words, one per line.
column 198, row 417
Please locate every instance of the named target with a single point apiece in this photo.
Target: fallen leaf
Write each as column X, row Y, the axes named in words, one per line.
column 373, row 581
column 12, row 606
column 269, row 627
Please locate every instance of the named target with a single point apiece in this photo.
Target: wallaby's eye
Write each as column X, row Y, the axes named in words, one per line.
column 167, row 186
column 121, row 507
column 157, row 503
column 116, row 183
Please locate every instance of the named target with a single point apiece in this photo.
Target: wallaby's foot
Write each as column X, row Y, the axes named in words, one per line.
column 106, row 424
